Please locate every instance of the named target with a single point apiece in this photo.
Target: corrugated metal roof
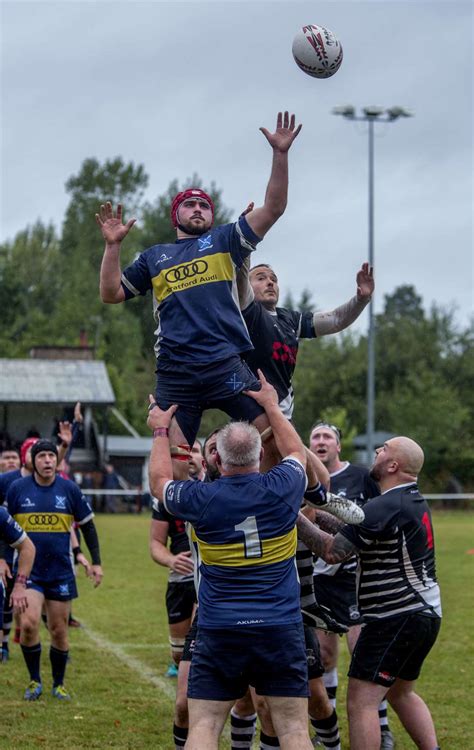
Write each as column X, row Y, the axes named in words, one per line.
column 56, row 381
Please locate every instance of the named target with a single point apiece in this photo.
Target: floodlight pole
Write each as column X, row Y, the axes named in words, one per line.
column 371, row 115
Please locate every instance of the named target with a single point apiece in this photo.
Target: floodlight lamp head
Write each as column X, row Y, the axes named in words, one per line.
column 395, row 112
column 373, row 111
column 346, row 110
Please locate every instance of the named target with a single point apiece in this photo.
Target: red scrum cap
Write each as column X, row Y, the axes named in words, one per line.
column 25, row 447
column 184, row 195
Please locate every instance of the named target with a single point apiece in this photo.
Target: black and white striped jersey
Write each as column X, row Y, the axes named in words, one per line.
column 396, row 571
column 354, row 483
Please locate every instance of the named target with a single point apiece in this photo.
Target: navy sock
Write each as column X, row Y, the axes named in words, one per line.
column 180, row 735
column 32, row 656
column 58, row 665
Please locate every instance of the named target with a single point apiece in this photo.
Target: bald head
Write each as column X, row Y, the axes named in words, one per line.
column 409, row 455
column 397, row 461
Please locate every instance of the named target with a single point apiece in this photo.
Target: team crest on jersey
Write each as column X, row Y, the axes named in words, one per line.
column 27, row 503
column 163, row 257
column 204, row 243
column 60, row 502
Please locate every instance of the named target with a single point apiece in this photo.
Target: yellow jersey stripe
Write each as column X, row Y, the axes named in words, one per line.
column 202, row 270
column 49, row 522
column 273, row 550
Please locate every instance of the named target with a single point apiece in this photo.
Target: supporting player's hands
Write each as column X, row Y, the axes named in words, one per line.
column 111, row 226
column 18, row 599
column 267, row 396
column 365, row 282
column 284, row 134
column 157, row 417
column 249, row 208
column 95, row 574
column 182, row 563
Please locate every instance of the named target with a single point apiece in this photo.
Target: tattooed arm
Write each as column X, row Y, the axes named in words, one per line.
column 327, row 522
column 333, row 549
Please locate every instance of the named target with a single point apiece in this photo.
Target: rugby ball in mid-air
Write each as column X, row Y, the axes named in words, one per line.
column 317, row 51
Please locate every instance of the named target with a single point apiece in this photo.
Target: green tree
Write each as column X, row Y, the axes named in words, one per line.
column 28, row 288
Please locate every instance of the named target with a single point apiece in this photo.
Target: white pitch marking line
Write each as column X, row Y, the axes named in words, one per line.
column 135, row 664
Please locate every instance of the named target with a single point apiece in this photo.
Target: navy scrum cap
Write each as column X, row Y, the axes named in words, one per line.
column 43, row 445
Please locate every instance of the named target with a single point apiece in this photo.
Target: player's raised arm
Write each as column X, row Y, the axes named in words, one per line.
column 263, row 218
column 343, row 316
column 113, row 232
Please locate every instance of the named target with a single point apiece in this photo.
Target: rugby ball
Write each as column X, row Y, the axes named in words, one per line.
column 317, row 51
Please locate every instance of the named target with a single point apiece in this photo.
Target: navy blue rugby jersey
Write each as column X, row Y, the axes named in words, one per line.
column 397, row 571
column 6, row 480
column 275, row 337
column 244, row 530
column 47, row 515
column 10, row 531
column 195, row 299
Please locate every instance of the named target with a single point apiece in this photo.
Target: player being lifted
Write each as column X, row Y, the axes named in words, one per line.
column 201, row 334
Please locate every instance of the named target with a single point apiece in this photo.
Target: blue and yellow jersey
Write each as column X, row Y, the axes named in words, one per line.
column 244, row 530
column 195, row 299
column 6, row 480
column 47, row 515
column 10, row 531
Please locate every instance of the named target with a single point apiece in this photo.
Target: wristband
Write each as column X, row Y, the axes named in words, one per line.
column 21, row 579
column 160, row 432
column 76, row 551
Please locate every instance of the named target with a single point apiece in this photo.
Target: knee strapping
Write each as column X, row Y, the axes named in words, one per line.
column 181, row 452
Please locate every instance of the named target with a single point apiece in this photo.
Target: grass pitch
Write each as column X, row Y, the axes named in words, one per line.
column 121, row 697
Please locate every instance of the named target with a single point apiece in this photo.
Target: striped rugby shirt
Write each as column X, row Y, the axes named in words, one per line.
column 397, row 571
column 354, row 483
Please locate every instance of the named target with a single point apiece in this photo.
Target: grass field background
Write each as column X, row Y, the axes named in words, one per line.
column 121, row 697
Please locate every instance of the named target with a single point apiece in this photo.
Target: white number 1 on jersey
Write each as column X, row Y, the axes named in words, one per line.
column 252, row 543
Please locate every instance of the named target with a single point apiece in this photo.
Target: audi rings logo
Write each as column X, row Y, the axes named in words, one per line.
column 46, row 519
column 181, row 273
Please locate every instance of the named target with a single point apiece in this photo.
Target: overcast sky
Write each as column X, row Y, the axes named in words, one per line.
column 183, row 87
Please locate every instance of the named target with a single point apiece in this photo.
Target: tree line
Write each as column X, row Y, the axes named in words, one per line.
column 424, row 360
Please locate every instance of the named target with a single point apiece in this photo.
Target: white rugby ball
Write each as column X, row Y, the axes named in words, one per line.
column 317, row 51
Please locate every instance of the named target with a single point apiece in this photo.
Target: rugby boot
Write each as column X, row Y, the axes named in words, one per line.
column 60, row 693
column 387, row 742
column 33, row 691
column 344, row 509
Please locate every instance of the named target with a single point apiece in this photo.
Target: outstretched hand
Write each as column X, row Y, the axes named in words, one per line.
column 365, row 282
column 284, row 134
column 112, row 228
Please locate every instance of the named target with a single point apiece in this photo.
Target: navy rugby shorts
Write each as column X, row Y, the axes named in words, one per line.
column 58, row 590
column 226, row 662
column 214, row 385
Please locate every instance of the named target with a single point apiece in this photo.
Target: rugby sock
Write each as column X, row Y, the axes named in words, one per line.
column 32, row 656
column 242, row 731
column 331, row 681
column 180, row 735
column 267, row 742
column 58, row 661
column 328, row 731
column 383, row 718
column 7, row 625
column 304, row 563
